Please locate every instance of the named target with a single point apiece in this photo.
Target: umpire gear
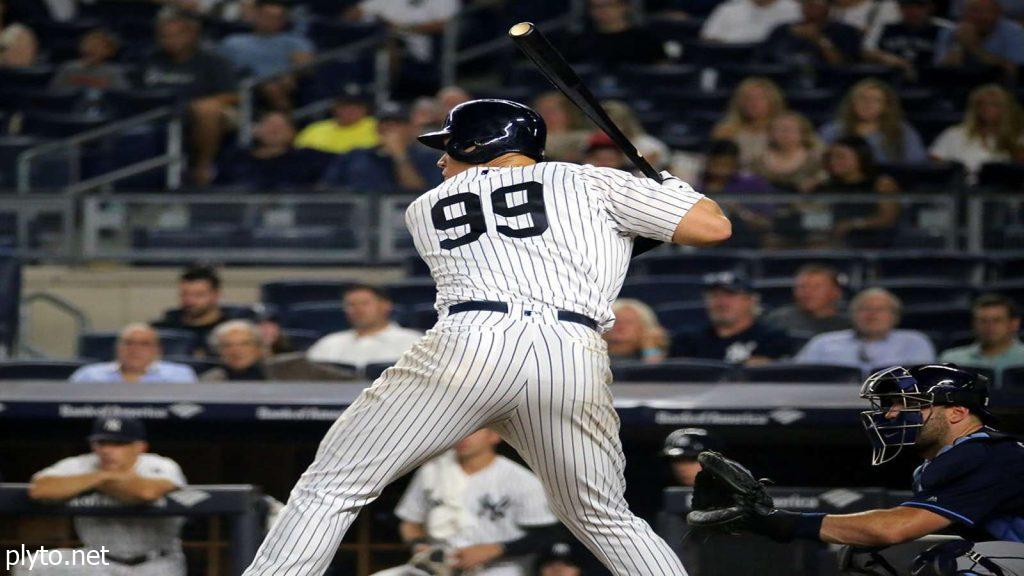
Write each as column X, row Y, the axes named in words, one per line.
column 479, row 131
column 688, row 443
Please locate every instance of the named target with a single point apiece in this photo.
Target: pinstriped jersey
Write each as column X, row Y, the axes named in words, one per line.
column 552, row 233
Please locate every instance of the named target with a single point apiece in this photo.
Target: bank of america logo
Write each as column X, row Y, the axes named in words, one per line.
column 841, row 497
column 785, row 417
column 185, row 410
column 188, row 498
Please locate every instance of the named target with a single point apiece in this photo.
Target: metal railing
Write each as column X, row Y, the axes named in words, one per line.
column 29, row 241
column 247, row 87
column 24, row 347
column 170, row 160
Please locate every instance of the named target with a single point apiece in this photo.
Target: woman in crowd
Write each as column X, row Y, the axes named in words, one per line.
column 637, row 334
column 992, row 131
column 871, row 110
column 754, row 104
column 567, row 135
column 792, row 161
column 18, row 45
column 656, row 151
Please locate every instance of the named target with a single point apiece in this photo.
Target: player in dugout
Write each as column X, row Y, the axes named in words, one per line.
column 971, row 483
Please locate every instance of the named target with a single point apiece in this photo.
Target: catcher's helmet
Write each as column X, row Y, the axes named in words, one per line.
column 688, row 443
column 479, row 131
column 908, row 391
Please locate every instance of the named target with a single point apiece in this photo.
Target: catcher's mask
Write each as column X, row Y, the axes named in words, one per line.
column 898, row 395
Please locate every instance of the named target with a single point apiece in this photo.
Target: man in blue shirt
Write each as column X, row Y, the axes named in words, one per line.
column 269, row 49
column 138, row 360
column 398, row 164
column 983, row 37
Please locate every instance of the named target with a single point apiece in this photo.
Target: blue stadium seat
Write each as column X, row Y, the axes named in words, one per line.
column 814, row 103
column 714, row 54
column 936, row 318
column 691, row 263
column 915, row 292
column 373, row 371
column 134, row 145
column 1005, row 266
column 38, row 369
column 31, row 77
column 931, row 124
column 661, row 290
column 841, row 78
column 287, row 293
column 938, row 265
column 1002, row 176
column 223, row 236
column 413, row 292
column 785, row 263
column 137, row 101
column 61, row 125
column 731, row 74
column 944, row 177
column 320, row 317
column 790, row 373
column 678, row 370
column 322, row 237
column 641, row 78
column 675, row 317
column 101, row 345
column 300, row 339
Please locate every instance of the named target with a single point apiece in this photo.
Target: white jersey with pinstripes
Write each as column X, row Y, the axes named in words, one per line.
column 550, row 233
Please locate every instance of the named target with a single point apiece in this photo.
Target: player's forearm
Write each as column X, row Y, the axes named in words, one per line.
column 64, row 487
column 135, row 489
column 411, row 532
column 880, row 527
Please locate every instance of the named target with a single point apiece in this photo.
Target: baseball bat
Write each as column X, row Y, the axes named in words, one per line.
column 553, row 65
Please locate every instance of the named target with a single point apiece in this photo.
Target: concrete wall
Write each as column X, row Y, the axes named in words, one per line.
column 112, row 296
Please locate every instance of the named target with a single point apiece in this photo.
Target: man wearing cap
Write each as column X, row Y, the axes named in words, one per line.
column 351, row 125
column 138, row 360
column 734, row 333
column 561, row 559
column 397, row 163
column 117, row 472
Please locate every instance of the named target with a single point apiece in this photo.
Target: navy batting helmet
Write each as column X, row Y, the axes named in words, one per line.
column 909, row 390
column 688, row 443
column 479, row 131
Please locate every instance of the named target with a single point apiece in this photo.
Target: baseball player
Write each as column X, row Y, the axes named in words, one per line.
column 970, row 484
column 528, row 257
column 483, row 509
column 682, row 447
column 118, row 471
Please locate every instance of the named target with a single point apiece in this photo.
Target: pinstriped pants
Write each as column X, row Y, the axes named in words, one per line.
column 539, row 382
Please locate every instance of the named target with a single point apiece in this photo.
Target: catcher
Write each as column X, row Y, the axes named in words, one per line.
column 971, row 482
column 473, row 512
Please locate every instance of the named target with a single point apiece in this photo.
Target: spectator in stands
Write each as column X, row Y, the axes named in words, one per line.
column 722, row 174
column 567, row 133
column 415, row 22
column 118, row 471
column 561, row 559
column 602, row 152
column 137, row 360
column 373, row 337
column 748, row 21
column 997, row 345
column 753, row 106
column 637, row 334
column 982, row 37
column 613, row 38
column 792, row 160
column 449, row 97
column 18, row 44
column 992, row 131
column 425, row 114
column 351, row 125
column 398, row 164
column 270, row 49
column 735, row 334
column 273, row 162
column 93, row 68
column 200, row 311
column 817, row 304
column 868, row 16
column 243, row 357
column 656, row 151
column 871, row 110
column 1013, row 9
column 813, row 41
column 275, row 341
column 909, row 44
column 874, row 341
column 851, row 171
column 199, row 76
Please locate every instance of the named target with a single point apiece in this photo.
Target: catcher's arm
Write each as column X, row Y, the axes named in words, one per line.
column 881, row 527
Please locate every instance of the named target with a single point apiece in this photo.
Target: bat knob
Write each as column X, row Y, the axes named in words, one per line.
column 521, row 29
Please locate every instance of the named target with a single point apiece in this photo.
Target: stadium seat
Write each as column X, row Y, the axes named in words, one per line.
column 413, row 292
column 784, row 264
column 137, row 101
column 320, row 317
column 300, row 339
column 731, row 74
column 221, row 236
column 790, row 373
column 938, row 265
column 1014, row 288
column 841, row 78
column 691, row 263
column 681, row 316
column 41, row 99
column 287, row 293
column 1005, row 266
column 641, row 78
column 688, row 101
column 60, row 124
column 319, row 237
column 940, row 177
column 38, row 369
column 678, row 370
column 715, row 54
column 931, row 124
column 1002, row 176
column 936, row 318
column 661, row 290
column 813, row 103
column 913, row 292
column 373, row 371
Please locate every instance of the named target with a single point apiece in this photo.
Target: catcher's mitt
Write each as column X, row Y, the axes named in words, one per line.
column 727, row 498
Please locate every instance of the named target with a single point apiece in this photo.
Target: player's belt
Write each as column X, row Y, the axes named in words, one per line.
column 491, row 306
column 136, row 560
